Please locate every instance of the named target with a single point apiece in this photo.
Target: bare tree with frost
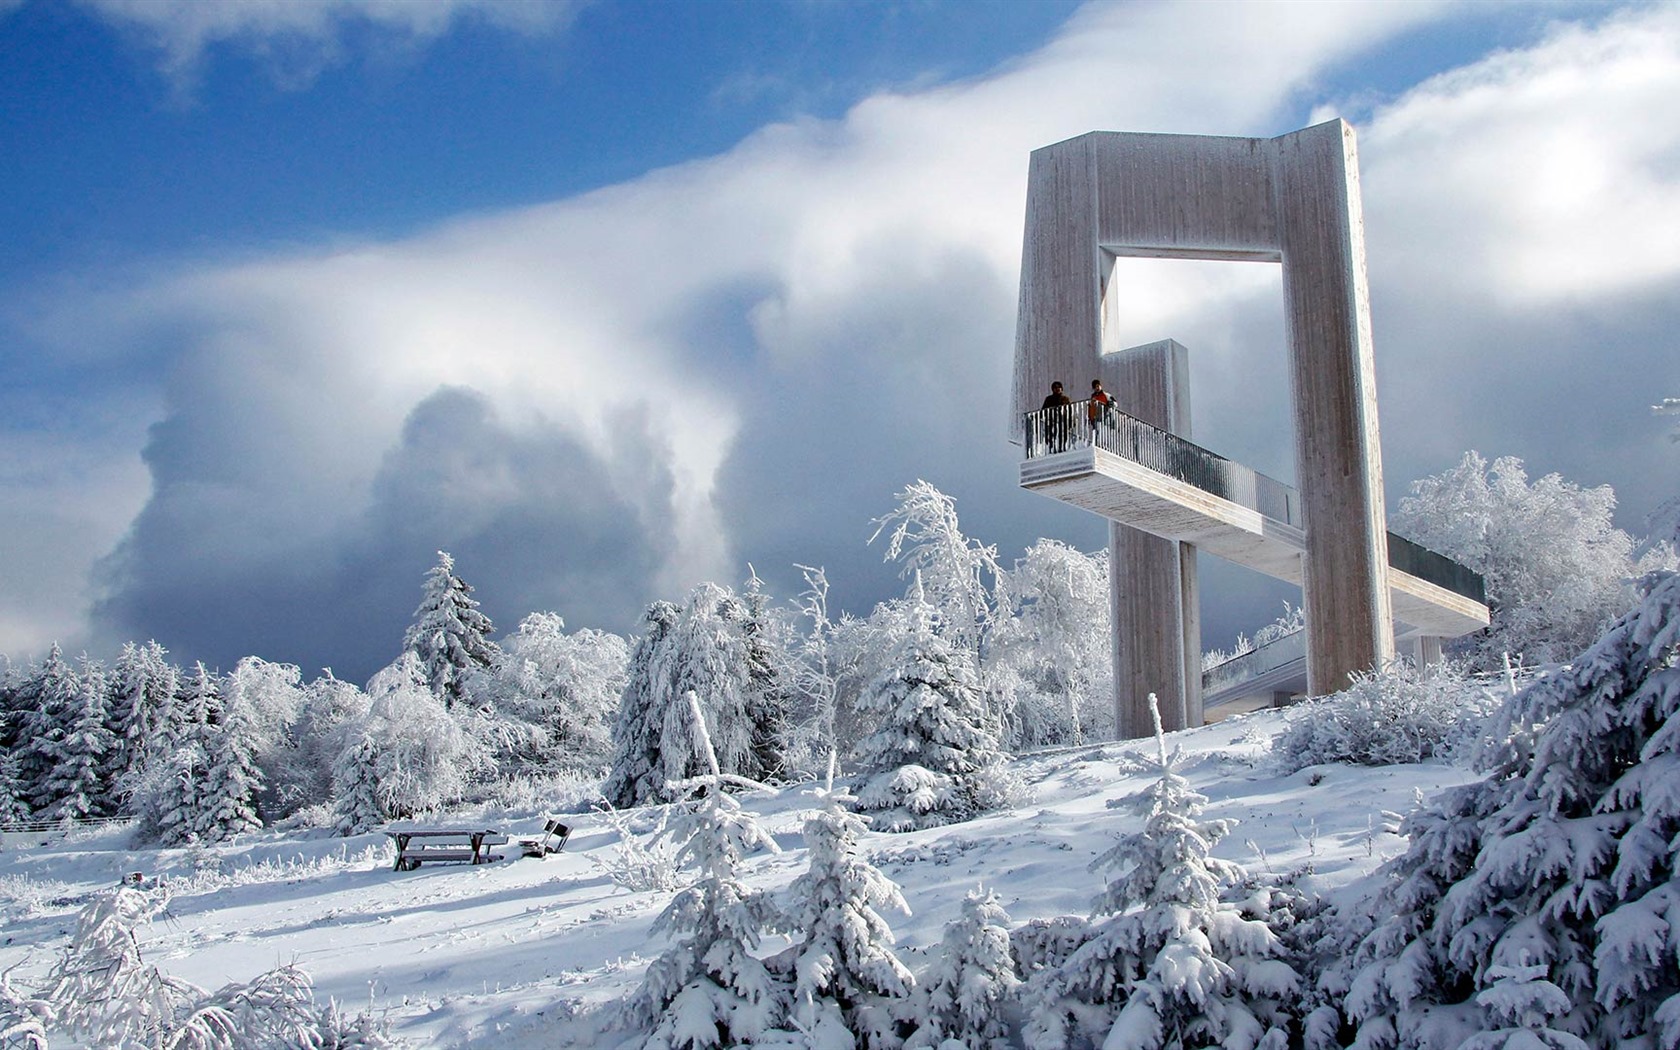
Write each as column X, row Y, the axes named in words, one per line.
column 958, row 576
column 449, row 636
column 1054, row 643
column 1173, row 963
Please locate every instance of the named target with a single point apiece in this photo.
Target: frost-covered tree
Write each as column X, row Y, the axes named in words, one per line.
column 816, row 676
column 425, row 758
column 567, row 683
column 12, row 804
column 709, row 989
column 449, row 635
column 637, row 732
column 957, row 575
column 168, row 797
column 930, row 757
column 198, row 703
column 358, row 800
column 971, row 983
column 79, row 782
column 708, row 648
column 1562, row 858
column 227, row 800
column 1173, row 963
column 143, row 715
column 47, row 699
column 1056, row 643
column 302, row 773
column 769, row 683
column 846, row 976
column 1557, row 571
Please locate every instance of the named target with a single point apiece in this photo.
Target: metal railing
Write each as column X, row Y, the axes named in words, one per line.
column 1060, row 428
column 1086, row 424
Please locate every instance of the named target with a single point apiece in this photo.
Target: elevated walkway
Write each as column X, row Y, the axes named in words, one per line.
column 1268, row 675
column 1139, row 475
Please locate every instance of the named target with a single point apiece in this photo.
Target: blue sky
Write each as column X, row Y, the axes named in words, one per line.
column 610, row 298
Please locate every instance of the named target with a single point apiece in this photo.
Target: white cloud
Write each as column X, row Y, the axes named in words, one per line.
column 744, row 356
column 303, row 37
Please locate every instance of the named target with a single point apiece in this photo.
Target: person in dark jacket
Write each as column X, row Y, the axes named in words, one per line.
column 1057, row 414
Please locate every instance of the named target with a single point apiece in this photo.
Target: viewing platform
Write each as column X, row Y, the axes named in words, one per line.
column 1112, row 464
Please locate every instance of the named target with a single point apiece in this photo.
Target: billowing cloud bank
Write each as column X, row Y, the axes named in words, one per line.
column 602, row 400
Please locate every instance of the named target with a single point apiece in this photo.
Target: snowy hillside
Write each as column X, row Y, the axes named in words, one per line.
column 508, row 954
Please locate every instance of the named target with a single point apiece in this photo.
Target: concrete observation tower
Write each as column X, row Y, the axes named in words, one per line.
column 1292, row 200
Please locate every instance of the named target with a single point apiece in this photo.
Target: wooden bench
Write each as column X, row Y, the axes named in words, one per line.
column 553, row 840
column 415, row 847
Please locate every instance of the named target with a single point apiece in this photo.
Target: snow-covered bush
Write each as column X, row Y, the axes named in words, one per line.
column 103, row 993
column 935, row 743
column 1174, row 963
column 640, row 864
column 1557, row 571
column 1562, row 858
column 1395, row 716
column 970, row 985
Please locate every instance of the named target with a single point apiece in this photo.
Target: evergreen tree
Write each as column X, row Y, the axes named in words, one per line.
column 972, row 982
column 358, row 802
column 227, row 799
column 1174, row 964
column 50, row 696
column 1561, row 859
column 168, row 800
column 635, row 777
column 847, row 978
column 709, row 990
column 12, row 805
column 769, row 684
column 142, row 710
column 449, row 635
column 80, row 779
column 198, row 703
column 935, row 741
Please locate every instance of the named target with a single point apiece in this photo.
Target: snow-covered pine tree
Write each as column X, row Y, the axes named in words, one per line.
column 847, row 978
column 47, row 696
column 1173, row 964
column 80, row 779
column 198, row 703
column 635, row 777
column 965, row 993
column 709, row 990
column 1522, row 1002
column 769, row 685
column 1561, row 858
column 227, row 802
column 12, row 805
column 935, row 743
column 358, row 801
column 167, row 798
column 143, row 718
column 449, row 635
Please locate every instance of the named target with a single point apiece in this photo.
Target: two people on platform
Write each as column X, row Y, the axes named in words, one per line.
column 1058, row 425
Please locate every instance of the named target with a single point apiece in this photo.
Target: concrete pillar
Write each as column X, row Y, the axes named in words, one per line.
column 1426, row 651
column 1156, row 617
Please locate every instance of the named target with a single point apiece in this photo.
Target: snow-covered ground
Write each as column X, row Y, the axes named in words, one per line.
column 507, row 954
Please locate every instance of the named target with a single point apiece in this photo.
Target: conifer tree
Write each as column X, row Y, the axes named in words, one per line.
column 935, row 742
column 12, row 805
column 80, row 779
column 1560, row 859
column 142, row 710
column 49, row 697
column 769, row 684
column 709, row 990
column 226, row 805
column 847, row 978
column 168, row 800
column 634, row 778
column 198, row 703
column 449, row 635
column 965, row 994
column 1173, row 964
column 358, row 802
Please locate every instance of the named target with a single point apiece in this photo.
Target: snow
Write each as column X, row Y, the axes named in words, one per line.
column 513, row 953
